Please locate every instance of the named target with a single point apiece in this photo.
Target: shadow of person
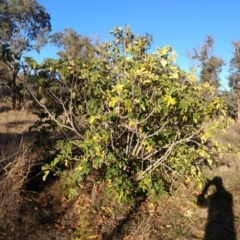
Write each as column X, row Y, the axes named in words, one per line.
column 220, row 222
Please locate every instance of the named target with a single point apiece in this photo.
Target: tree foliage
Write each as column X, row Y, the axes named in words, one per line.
column 73, row 45
column 234, row 79
column 136, row 119
column 5, row 89
column 24, row 27
column 210, row 65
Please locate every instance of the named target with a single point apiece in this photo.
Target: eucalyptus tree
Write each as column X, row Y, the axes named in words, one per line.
column 4, row 82
column 72, row 45
column 24, row 26
column 234, row 79
column 209, row 64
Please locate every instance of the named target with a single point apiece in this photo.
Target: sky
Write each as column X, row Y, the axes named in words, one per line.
column 182, row 24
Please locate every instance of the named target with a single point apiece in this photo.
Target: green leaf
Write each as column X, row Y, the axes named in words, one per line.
column 72, row 193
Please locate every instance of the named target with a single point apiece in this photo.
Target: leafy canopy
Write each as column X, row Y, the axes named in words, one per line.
column 73, row 46
column 209, row 64
column 24, row 26
column 138, row 119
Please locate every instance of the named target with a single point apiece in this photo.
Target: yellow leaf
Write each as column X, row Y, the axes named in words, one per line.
column 113, row 101
column 93, row 237
column 143, row 107
column 188, row 180
column 209, row 161
column 66, row 162
column 174, row 75
column 35, row 65
column 118, row 88
column 163, row 62
column 169, row 100
column 140, row 72
column 163, row 51
column 200, row 186
column 132, row 123
column 188, row 213
column 147, row 81
column 149, row 148
column 91, row 119
column 128, row 105
column 79, row 168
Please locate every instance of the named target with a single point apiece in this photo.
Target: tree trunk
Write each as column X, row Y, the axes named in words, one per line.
column 238, row 110
column 14, row 76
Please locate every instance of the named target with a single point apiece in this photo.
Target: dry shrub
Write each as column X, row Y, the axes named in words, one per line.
column 14, row 170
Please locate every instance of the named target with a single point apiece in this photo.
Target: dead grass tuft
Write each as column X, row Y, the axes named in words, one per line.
column 14, row 172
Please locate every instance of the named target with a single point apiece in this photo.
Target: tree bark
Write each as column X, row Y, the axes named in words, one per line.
column 238, row 109
column 14, row 77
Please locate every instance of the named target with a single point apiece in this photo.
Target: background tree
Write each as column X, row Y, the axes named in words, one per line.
column 73, row 45
column 5, row 87
column 210, row 65
column 24, row 26
column 234, row 79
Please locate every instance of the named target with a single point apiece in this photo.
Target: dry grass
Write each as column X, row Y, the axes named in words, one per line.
column 14, row 172
column 15, row 164
column 14, row 129
column 49, row 214
column 232, row 135
column 14, row 121
column 16, row 161
column 24, row 213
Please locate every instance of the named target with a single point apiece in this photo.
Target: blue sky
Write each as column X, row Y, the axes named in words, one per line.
column 182, row 24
